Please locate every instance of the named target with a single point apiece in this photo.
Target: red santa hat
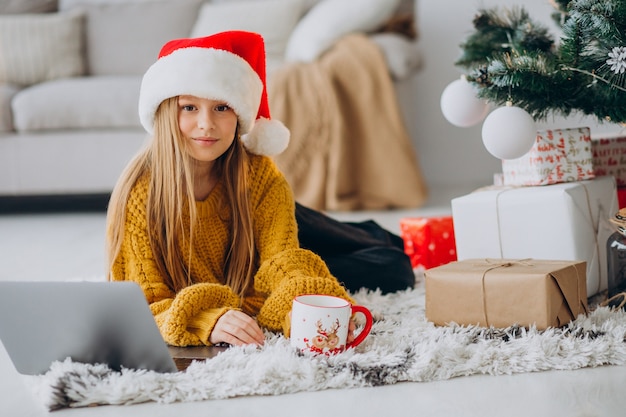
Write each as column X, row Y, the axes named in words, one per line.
column 227, row 66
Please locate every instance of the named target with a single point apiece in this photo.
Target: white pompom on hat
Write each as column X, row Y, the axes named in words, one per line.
column 228, row 66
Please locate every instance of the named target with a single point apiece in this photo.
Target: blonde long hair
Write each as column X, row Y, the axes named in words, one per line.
column 171, row 197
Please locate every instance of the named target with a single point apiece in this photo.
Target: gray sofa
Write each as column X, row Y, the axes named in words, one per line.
column 69, row 77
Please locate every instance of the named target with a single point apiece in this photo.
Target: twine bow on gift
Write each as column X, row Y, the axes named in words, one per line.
column 526, row 262
column 507, row 264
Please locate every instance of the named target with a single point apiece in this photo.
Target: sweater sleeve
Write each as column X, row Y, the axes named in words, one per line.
column 184, row 319
column 286, row 270
column 288, row 274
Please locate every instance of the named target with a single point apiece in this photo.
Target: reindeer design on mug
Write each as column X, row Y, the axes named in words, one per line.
column 326, row 341
column 320, row 324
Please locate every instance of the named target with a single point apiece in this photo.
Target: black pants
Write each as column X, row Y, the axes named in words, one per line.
column 359, row 254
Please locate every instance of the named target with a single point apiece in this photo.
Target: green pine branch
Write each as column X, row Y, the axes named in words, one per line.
column 511, row 57
column 500, row 32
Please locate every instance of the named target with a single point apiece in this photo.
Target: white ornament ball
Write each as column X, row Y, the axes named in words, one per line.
column 509, row 132
column 460, row 105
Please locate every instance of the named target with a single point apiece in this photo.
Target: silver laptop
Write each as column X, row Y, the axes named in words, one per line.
column 89, row 322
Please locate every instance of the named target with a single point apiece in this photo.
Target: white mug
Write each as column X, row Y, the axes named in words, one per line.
column 319, row 324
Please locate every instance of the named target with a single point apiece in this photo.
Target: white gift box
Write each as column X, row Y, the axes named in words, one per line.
column 558, row 155
column 567, row 221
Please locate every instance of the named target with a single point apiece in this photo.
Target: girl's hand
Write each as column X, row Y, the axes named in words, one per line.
column 237, row 328
column 351, row 329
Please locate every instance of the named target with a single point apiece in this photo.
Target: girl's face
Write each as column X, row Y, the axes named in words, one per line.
column 209, row 126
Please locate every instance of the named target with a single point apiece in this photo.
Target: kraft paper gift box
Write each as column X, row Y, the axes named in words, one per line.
column 567, row 221
column 428, row 241
column 505, row 292
column 558, row 155
column 609, row 158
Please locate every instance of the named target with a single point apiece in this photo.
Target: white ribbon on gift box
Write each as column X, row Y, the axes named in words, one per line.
column 594, row 225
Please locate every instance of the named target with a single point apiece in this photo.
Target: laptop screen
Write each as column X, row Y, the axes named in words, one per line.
column 91, row 322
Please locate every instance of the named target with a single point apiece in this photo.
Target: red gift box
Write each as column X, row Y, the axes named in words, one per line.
column 609, row 158
column 428, row 241
column 621, row 197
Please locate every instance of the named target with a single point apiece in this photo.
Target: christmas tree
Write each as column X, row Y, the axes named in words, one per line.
column 511, row 58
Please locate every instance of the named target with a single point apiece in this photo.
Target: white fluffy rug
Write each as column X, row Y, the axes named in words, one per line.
column 402, row 346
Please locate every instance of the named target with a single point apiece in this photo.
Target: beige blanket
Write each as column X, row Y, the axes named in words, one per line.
column 349, row 149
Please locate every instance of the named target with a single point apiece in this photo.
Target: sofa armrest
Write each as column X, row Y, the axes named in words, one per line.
column 7, row 92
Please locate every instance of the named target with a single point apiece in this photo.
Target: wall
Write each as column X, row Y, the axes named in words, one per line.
column 450, row 155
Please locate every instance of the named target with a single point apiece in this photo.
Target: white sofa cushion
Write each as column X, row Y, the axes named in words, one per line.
column 329, row 20
column 82, row 102
column 272, row 19
column 40, row 47
column 125, row 38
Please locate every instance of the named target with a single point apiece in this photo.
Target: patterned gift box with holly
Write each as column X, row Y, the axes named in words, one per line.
column 558, row 156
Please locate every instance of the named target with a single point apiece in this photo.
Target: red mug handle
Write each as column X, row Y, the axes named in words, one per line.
column 366, row 330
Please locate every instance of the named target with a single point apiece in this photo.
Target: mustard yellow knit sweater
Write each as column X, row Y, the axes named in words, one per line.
column 188, row 317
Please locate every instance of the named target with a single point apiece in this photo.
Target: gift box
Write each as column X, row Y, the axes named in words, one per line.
column 609, row 158
column 505, row 292
column 428, row 241
column 558, row 155
column 567, row 221
column 621, row 197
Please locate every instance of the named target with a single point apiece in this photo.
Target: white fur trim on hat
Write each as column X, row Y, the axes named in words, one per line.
column 208, row 73
column 267, row 137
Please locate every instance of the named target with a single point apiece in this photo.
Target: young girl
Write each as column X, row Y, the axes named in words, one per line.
column 201, row 219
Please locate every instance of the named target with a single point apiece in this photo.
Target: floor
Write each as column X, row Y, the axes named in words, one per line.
column 70, row 245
